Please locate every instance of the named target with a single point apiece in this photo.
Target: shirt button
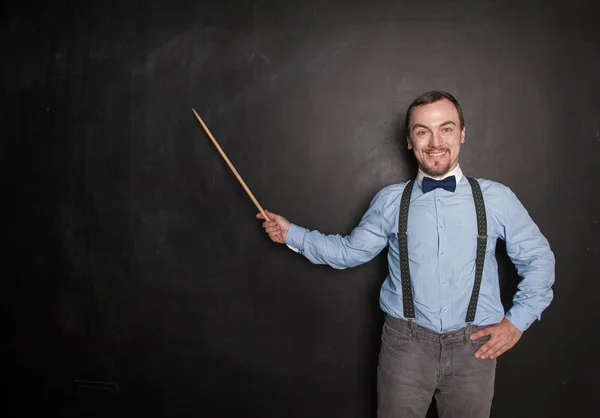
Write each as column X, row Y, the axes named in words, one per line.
column 443, row 254
column 442, row 226
column 445, row 309
column 443, row 282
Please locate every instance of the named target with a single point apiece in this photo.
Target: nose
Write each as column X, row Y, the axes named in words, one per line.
column 435, row 140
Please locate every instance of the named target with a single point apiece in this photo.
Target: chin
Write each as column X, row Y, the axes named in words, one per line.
column 436, row 171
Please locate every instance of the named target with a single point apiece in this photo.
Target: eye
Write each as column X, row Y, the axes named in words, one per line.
column 421, row 133
column 447, row 129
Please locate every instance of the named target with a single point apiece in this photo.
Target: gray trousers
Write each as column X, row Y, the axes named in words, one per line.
column 417, row 364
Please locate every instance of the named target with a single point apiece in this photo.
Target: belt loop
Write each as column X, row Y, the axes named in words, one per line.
column 411, row 327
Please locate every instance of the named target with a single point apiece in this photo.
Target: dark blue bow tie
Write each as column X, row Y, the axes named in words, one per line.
column 429, row 184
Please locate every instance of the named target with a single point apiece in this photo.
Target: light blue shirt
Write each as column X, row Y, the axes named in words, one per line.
column 442, row 232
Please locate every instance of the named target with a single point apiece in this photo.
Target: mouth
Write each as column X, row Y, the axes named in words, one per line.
column 436, row 154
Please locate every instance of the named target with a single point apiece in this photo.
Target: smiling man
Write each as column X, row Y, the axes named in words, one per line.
column 445, row 325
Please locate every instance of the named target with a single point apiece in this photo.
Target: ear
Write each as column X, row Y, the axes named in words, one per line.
column 463, row 134
column 408, row 142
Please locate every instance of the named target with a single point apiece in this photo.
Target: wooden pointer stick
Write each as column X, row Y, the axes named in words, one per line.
column 231, row 166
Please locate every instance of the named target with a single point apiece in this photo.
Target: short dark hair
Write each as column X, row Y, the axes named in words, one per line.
column 432, row 97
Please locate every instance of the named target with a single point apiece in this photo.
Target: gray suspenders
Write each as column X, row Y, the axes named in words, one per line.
column 409, row 307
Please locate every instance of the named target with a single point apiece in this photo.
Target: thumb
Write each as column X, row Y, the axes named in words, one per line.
column 272, row 215
column 482, row 333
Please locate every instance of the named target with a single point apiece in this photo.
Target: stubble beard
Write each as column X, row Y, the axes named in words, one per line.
column 434, row 170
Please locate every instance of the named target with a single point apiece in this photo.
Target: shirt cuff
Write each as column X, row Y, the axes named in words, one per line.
column 520, row 319
column 294, row 249
column 295, row 238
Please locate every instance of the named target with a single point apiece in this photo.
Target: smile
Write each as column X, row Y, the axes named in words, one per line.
column 436, row 154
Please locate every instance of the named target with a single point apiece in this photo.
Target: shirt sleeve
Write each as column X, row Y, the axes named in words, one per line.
column 340, row 252
column 530, row 252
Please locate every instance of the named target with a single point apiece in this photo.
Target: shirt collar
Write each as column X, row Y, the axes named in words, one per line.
column 456, row 172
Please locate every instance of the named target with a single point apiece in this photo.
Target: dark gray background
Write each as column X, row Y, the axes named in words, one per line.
column 132, row 255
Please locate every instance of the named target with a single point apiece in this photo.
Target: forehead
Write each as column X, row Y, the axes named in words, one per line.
column 434, row 114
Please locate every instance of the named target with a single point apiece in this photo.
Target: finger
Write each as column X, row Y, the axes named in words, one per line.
column 482, row 333
column 260, row 216
column 274, row 229
column 483, row 352
column 277, row 239
column 498, row 352
column 267, row 224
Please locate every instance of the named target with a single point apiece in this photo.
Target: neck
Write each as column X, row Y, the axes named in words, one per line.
column 456, row 171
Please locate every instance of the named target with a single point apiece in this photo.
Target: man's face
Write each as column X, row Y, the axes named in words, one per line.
column 435, row 137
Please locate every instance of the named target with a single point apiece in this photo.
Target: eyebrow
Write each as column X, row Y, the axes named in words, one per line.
column 449, row 122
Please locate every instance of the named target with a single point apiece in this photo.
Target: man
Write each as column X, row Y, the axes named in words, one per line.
column 444, row 321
